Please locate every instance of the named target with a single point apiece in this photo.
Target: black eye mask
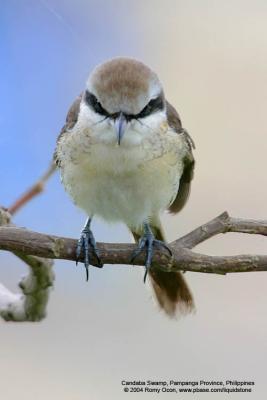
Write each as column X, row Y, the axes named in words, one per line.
column 153, row 106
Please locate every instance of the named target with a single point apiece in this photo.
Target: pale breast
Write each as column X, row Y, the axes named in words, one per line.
column 124, row 184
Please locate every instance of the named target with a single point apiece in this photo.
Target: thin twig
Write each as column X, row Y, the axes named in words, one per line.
column 34, row 190
column 222, row 224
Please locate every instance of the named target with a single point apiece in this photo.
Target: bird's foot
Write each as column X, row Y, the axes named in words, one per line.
column 148, row 242
column 85, row 244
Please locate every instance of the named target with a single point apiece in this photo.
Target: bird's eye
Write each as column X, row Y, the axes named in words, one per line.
column 153, row 106
column 92, row 101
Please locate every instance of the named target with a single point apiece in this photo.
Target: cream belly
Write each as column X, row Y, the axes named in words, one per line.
column 118, row 185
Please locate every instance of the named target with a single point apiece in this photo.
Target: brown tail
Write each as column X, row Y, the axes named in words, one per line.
column 171, row 290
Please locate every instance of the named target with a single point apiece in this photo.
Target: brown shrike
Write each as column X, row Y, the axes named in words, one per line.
column 124, row 156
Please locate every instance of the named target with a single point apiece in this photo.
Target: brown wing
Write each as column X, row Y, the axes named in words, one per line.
column 189, row 162
column 71, row 119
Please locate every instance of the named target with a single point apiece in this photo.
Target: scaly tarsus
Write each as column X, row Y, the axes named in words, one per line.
column 148, row 241
column 85, row 243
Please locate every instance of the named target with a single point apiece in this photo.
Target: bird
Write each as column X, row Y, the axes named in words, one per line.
column 124, row 156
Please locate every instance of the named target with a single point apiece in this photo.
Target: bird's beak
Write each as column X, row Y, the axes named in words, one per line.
column 120, row 126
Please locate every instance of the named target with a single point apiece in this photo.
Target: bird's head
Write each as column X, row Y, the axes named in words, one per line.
column 125, row 96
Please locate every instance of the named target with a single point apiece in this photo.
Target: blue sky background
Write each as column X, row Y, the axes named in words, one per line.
column 211, row 57
column 48, row 51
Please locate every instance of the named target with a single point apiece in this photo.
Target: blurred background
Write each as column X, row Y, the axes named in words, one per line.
column 212, row 59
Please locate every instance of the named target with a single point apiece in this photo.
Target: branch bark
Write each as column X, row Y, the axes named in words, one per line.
column 49, row 246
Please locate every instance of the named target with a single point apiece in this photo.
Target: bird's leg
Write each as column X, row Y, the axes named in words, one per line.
column 148, row 242
column 85, row 244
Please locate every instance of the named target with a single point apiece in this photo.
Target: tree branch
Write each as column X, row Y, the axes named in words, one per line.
column 30, row 305
column 49, row 246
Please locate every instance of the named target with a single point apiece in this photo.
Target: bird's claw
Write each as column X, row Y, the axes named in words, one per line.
column 149, row 242
column 86, row 243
